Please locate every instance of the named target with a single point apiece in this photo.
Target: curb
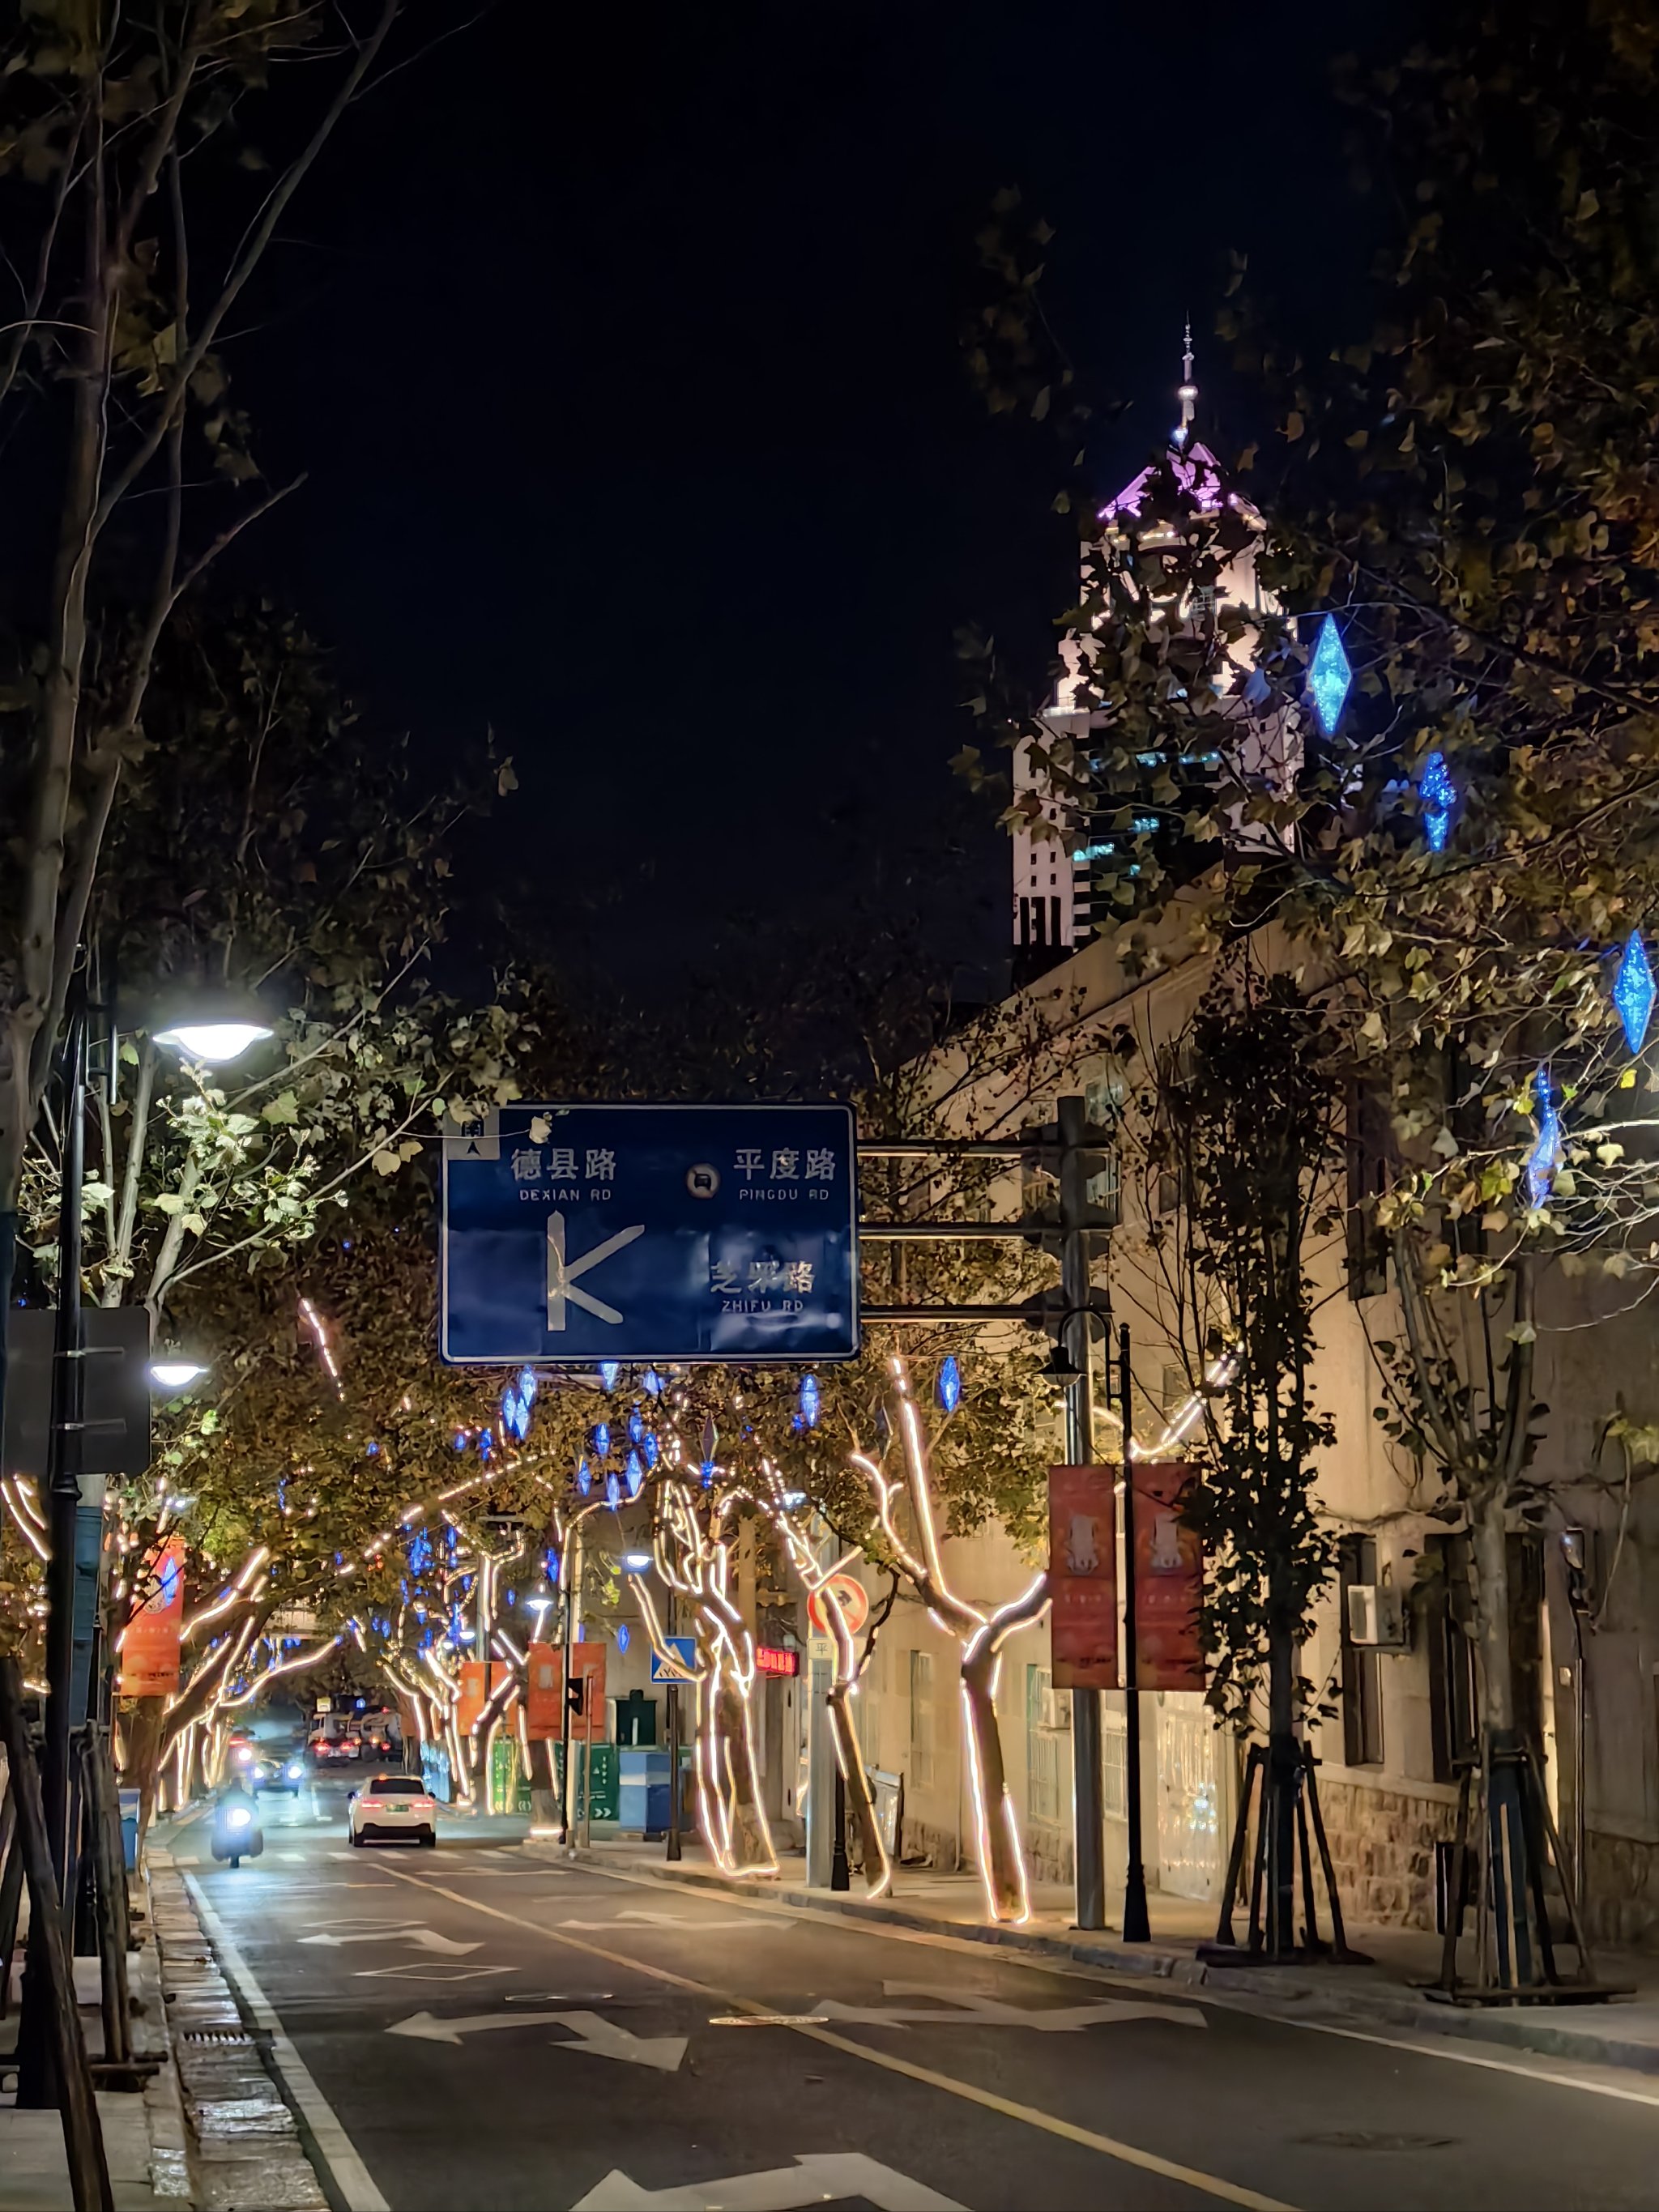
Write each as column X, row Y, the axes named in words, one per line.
column 1291, row 1996
column 243, row 2146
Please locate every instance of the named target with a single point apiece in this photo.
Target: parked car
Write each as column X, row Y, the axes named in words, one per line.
column 280, row 1770
column 392, row 1805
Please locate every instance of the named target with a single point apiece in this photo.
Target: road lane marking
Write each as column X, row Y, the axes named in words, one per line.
column 969, row 2009
column 1528, row 2066
column 623, row 1921
column 591, row 2031
column 1209, row 2184
column 332, row 2145
column 817, row 2179
column 424, row 1939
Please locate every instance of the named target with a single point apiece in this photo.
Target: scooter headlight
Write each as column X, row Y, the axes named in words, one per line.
column 238, row 1817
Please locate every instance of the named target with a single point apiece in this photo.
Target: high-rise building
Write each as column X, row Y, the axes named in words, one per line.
column 1056, row 852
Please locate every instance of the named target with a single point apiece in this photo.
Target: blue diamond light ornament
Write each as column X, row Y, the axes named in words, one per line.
column 1330, row 677
column 653, row 1382
column 950, row 1383
column 1544, row 1160
column 608, row 1371
column 810, row 1401
column 635, row 1427
column 584, row 1477
column 1437, row 795
column 1634, row 992
column 613, row 1490
column 635, row 1474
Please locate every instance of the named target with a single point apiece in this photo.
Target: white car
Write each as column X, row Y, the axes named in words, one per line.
column 392, row 1805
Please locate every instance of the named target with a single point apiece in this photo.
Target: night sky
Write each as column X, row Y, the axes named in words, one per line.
column 623, row 351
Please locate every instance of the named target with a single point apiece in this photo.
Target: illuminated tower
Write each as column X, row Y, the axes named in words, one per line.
column 1055, row 908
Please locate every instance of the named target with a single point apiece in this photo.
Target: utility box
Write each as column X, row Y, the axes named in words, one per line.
column 1377, row 1620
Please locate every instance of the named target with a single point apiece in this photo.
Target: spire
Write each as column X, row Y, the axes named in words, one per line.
column 1187, row 393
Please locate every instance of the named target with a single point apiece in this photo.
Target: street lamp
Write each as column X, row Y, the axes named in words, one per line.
column 168, row 1376
column 212, row 1027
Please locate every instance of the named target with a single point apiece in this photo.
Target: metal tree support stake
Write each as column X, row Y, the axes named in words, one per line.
column 83, row 2140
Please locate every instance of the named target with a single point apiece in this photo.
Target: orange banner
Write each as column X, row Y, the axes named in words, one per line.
column 1169, row 1581
column 149, row 1649
column 1083, row 1577
column 478, row 1679
column 544, row 1706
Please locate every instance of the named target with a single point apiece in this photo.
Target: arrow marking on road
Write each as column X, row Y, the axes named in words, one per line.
column 667, row 1920
column 426, row 1939
column 592, row 2033
column 810, row 2180
column 959, row 2009
column 561, row 1273
column 418, row 1970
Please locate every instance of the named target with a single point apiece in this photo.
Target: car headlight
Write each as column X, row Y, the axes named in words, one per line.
column 295, row 1770
column 238, row 1817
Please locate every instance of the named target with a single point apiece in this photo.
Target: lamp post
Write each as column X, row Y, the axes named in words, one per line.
column 211, row 1032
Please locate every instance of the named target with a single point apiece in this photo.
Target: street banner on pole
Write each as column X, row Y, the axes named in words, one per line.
column 478, row 1678
column 149, row 1647
column 647, row 1233
column 545, row 1701
column 1169, row 1581
column 1083, row 1577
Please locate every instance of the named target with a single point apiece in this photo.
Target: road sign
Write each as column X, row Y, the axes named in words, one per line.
column 685, row 1649
column 849, row 1594
column 642, row 1233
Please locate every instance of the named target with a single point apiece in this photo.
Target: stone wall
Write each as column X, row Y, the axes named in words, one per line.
column 1622, row 1905
column 1383, row 1847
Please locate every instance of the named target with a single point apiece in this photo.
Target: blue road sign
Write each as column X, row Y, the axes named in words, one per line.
column 643, row 1233
column 685, row 1649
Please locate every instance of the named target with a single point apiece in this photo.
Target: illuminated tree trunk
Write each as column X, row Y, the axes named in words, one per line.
column 1001, row 1864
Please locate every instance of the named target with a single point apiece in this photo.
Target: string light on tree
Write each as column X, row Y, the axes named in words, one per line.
column 1437, row 795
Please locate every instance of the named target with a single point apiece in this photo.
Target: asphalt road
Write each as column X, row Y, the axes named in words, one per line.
column 491, row 2029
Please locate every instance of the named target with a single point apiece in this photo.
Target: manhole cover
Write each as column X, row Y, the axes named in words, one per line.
column 1364, row 2139
column 216, row 2035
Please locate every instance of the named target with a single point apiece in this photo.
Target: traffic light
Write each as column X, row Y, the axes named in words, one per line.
column 576, row 1693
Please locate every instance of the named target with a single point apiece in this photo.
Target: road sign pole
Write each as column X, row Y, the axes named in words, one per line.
column 674, row 1852
column 820, row 1764
column 1089, row 1837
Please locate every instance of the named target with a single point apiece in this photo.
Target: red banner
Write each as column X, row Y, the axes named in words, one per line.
column 1169, row 1581
column 544, row 1706
column 1083, row 1577
column 149, row 1649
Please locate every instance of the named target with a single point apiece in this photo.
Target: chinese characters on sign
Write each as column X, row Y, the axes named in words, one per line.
column 641, row 1233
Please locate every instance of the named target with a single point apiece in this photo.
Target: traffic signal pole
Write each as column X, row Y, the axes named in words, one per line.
column 1137, row 1928
column 1088, row 1849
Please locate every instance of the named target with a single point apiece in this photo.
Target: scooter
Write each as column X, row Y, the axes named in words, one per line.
column 237, row 1834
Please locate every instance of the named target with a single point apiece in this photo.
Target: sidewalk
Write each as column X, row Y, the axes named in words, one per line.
column 1622, row 2033
column 144, row 2130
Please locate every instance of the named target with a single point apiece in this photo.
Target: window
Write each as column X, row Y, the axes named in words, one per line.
column 1102, row 1093
column 1114, row 1792
column 1044, row 1742
column 1362, row 1670
column 1101, row 1191
column 921, row 1718
column 1451, row 1657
